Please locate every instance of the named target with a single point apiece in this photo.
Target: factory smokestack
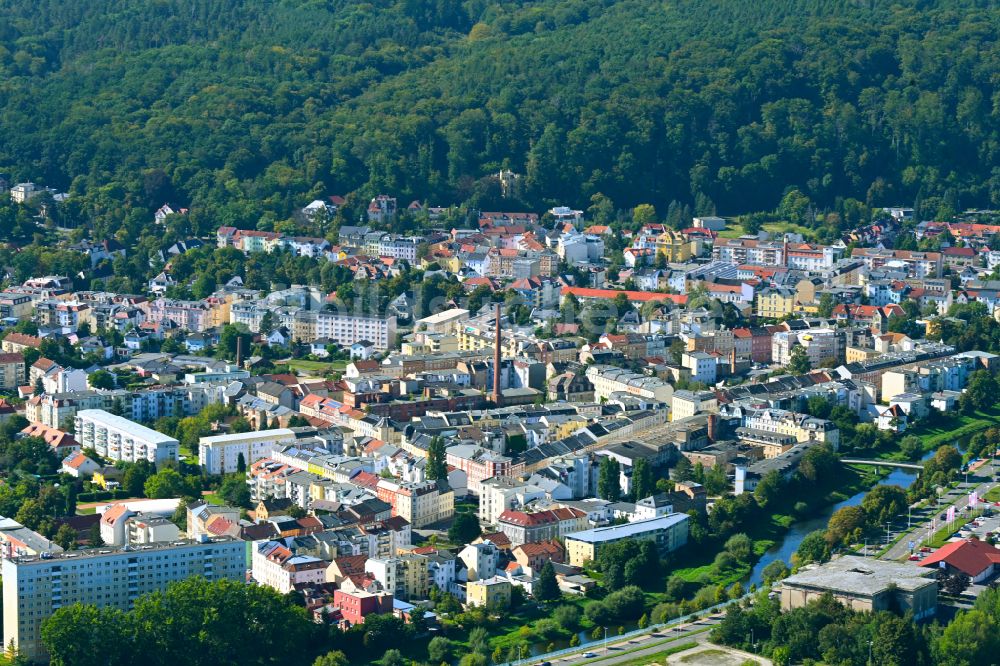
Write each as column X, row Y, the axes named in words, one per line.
column 239, row 351
column 497, row 396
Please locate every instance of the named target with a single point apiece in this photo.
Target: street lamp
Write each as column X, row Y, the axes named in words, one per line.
column 605, row 640
column 870, row 653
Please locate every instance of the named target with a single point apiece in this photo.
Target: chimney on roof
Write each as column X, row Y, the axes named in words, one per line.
column 497, row 396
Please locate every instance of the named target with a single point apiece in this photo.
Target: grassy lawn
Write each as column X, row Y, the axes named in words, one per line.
column 212, row 498
column 89, row 511
column 993, row 494
column 659, row 657
column 316, row 366
column 735, row 230
column 956, row 427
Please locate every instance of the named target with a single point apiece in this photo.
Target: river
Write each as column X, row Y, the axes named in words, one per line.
column 797, row 532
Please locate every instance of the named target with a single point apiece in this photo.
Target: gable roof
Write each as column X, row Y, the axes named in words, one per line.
column 970, row 556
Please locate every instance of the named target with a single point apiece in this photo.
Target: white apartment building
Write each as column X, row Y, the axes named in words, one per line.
column 480, row 559
column 701, row 365
column 250, row 315
column 344, row 329
column 608, row 379
column 118, row 438
column 503, row 493
column 35, row 587
column 24, row 192
column 689, row 403
column 220, row 454
column 277, row 566
column 419, row 503
column 820, row 344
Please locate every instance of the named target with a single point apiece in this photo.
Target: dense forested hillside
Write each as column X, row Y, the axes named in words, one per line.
column 245, row 109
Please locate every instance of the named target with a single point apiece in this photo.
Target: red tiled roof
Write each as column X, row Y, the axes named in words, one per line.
column 23, row 339
column 114, row 513
column 970, row 556
column 13, row 357
column 541, row 548
column 498, row 539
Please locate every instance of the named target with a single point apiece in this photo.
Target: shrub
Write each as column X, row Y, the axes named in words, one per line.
column 568, row 617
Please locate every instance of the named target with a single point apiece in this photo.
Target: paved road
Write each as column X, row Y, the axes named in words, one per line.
column 613, row 653
column 923, row 520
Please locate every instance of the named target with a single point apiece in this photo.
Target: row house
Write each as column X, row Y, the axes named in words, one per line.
column 754, row 343
column 188, row 315
column 800, row 427
column 873, row 316
column 529, row 527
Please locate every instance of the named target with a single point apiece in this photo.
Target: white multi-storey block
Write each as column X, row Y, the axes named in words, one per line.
column 220, row 454
column 35, row 587
column 118, row 438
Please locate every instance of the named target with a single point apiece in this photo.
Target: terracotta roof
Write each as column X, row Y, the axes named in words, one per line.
column 23, row 339
column 53, row 437
column 970, row 556
column 498, row 539
column 76, row 460
column 114, row 513
column 549, row 548
column 351, row 564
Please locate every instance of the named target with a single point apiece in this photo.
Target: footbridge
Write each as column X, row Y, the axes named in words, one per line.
column 883, row 463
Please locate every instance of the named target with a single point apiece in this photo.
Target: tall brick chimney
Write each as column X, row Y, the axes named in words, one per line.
column 711, row 427
column 497, row 395
column 239, row 351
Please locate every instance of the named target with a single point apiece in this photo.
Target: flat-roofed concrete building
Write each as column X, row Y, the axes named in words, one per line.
column 668, row 533
column 118, row 438
column 219, row 454
column 864, row 584
column 35, row 587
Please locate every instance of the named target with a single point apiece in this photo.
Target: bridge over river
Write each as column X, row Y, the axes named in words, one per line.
column 917, row 467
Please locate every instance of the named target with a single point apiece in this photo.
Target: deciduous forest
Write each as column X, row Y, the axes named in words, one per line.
column 246, row 109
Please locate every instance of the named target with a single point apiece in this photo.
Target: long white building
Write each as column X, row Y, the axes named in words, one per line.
column 220, row 454
column 608, row 380
column 118, row 438
column 35, row 587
